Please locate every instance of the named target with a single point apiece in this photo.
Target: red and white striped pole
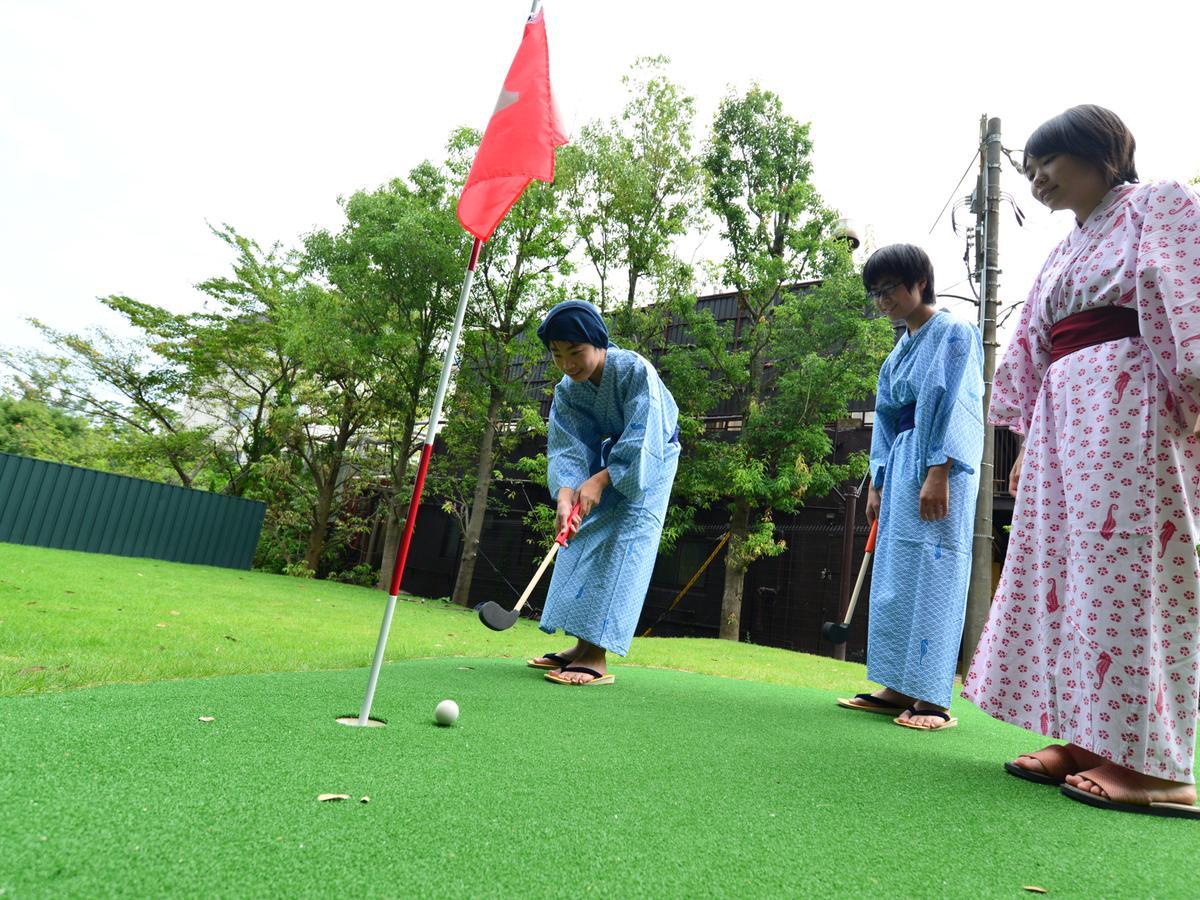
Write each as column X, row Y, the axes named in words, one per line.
column 435, row 415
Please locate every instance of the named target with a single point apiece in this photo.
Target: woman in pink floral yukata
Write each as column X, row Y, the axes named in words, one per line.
column 1092, row 637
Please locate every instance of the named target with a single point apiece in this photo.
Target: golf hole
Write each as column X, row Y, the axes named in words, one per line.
column 353, row 722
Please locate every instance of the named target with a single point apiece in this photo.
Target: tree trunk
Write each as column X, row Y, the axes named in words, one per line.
column 735, row 573
column 397, row 508
column 328, row 489
column 316, row 537
column 393, row 527
column 483, row 483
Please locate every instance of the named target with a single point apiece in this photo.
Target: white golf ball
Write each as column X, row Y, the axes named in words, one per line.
column 446, row 713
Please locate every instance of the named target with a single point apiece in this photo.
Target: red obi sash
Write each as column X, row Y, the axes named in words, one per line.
column 1090, row 327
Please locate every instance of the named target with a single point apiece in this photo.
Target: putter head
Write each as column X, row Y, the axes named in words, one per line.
column 495, row 616
column 835, row 632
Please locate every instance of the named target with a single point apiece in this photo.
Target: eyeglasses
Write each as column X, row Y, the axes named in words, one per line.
column 886, row 290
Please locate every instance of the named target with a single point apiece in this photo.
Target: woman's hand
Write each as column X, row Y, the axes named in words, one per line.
column 874, row 500
column 935, row 494
column 590, row 491
column 1014, row 476
column 566, row 502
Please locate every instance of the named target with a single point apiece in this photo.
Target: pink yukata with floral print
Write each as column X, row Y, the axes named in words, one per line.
column 1092, row 637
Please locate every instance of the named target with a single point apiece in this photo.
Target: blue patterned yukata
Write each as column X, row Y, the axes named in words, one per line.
column 928, row 409
column 629, row 424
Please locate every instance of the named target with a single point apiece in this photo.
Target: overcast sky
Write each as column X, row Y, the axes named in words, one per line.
column 126, row 127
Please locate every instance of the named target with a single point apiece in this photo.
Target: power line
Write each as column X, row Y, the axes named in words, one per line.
column 954, row 192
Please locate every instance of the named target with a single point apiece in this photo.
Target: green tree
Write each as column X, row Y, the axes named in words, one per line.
column 125, row 384
column 238, row 352
column 637, row 190
column 29, row 427
column 397, row 267
column 521, row 274
column 338, row 397
column 233, row 357
column 798, row 352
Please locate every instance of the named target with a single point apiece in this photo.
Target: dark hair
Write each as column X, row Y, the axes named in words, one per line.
column 904, row 261
column 1091, row 133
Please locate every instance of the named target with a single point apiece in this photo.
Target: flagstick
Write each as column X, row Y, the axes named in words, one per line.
column 364, row 716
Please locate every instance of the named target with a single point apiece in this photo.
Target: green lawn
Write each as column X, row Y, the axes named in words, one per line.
column 73, row 619
column 669, row 783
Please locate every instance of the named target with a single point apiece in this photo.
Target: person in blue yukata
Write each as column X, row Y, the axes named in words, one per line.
column 926, row 446
column 612, row 447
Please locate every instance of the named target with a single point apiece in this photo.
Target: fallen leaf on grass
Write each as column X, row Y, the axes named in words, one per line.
column 321, row 798
column 1034, row 889
column 31, row 669
column 208, row 719
column 365, row 800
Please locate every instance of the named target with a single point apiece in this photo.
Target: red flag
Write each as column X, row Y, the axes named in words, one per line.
column 518, row 144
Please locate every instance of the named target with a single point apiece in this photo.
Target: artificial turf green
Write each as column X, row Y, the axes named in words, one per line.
column 668, row 784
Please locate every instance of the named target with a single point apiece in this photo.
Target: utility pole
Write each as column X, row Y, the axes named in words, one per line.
column 987, row 254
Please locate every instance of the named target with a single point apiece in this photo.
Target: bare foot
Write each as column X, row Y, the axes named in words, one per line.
column 1113, row 782
column 919, row 721
column 591, row 657
column 1058, row 760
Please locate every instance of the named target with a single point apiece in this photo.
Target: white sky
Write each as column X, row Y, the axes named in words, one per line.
column 125, row 126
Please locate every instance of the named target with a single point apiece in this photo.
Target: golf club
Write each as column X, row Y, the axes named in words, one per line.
column 495, row 616
column 837, row 632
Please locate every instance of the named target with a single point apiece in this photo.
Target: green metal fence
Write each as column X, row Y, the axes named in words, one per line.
column 49, row 504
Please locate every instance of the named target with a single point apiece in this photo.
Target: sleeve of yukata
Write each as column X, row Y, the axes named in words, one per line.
column 1018, row 378
column 954, row 416
column 569, row 446
column 1168, row 291
column 635, row 458
column 883, row 431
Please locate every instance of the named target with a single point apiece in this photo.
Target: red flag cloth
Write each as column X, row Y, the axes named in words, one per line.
column 518, row 144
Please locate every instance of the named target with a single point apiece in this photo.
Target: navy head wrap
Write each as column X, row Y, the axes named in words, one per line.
column 575, row 321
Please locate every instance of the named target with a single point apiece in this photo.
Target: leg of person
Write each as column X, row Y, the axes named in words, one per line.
column 587, row 667
column 600, row 589
column 1092, row 635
